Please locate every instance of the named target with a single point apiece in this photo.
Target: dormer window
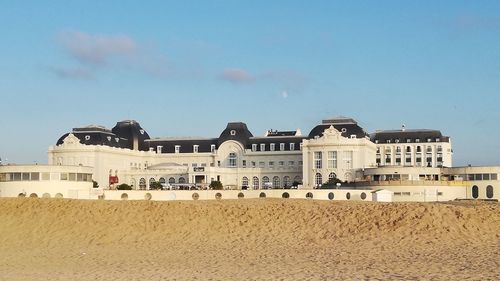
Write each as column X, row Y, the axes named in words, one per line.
column 272, row 145
column 353, row 136
column 343, row 130
column 388, row 141
column 376, row 141
column 212, row 148
column 397, row 140
column 195, row 148
column 282, row 146
column 177, row 148
column 292, row 146
column 254, row 147
column 408, row 140
column 437, row 139
column 233, row 133
column 300, row 146
column 262, row 147
column 428, row 140
column 87, row 137
column 158, row 149
column 417, row 140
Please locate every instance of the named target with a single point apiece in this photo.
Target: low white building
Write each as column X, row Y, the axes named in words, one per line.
column 45, row 181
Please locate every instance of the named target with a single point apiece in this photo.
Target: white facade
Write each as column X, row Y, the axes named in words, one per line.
column 334, row 156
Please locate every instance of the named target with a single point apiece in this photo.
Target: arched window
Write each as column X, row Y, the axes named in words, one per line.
column 286, row 181
column 297, row 179
column 182, row 180
column 265, row 181
column 244, row 181
column 489, row 192
column 142, row 183
column 408, row 149
column 419, row 149
column 318, row 179
column 332, row 176
column 132, row 183
column 171, row 180
column 475, row 192
column 162, row 180
column 232, row 160
column 255, row 182
column 276, row 182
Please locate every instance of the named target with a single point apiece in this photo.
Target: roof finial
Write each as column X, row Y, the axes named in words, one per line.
column 403, row 127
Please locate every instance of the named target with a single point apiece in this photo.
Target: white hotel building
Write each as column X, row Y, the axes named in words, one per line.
column 416, row 165
column 337, row 147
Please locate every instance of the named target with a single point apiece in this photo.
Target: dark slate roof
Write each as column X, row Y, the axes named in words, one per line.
column 131, row 130
column 122, row 135
column 402, row 136
column 186, row 145
column 237, row 131
column 345, row 125
column 276, row 140
column 96, row 138
column 272, row 133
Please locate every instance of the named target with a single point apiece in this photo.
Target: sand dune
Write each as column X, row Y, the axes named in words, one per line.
column 51, row 239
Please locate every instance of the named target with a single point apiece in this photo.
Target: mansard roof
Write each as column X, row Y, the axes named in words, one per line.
column 345, row 125
column 403, row 135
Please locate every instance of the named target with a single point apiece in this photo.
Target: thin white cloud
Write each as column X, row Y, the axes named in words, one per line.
column 97, row 49
column 115, row 52
column 284, row 94
column 73, row 73
column 237, row 76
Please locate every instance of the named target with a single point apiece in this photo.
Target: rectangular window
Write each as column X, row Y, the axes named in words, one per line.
column 300, row 163
column 195, row 148
column 348, row 160
column 64, row 176
column 301, row 146
column 262, row 147
column 35, row 176
column 79, row 177
column 194, row 164
column 254, row 147
column 332, row 159
column 72, row 176
column 232, row 159
column 212, row 148
column 292, row 146
column 281, row 163
column 271, row 146
column 494, row 177
column 254, row 164
column 203, row 164
column 218, row 163
column 3, row 177
column 26, row 176
column 46, row 176
column 177, row 148
column 262, row 164
column 244, row 163
column 318, row 163
column 291, row 163
column 282, row 146
column 271, row 164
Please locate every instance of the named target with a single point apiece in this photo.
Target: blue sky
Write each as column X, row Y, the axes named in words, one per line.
column 186, row 68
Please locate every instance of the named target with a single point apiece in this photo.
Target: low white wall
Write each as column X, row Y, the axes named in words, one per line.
column 64, row 189
column 236, row 194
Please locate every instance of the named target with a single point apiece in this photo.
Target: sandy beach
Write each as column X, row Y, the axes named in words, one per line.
column 266, row 239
